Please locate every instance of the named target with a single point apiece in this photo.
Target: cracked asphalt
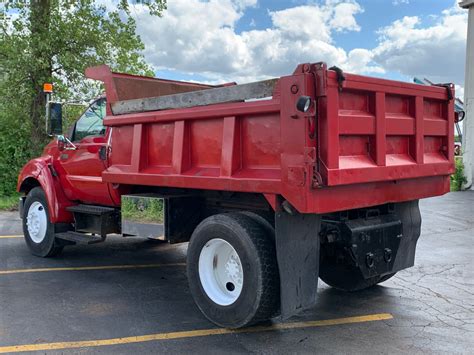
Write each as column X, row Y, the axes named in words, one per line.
column 432, row 303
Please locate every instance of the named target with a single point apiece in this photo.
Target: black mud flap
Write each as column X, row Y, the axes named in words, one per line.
column 297, row 246
column 409, row 214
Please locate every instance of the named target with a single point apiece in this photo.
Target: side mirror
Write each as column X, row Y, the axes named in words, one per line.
column 55, row 119
column 459, row 116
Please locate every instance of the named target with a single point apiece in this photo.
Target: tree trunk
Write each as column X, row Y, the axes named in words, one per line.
column 41, row 69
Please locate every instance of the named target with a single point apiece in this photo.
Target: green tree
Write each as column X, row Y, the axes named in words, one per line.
column 54, row 41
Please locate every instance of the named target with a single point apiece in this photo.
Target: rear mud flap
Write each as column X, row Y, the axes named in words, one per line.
column 297, row 246
column 409, row 214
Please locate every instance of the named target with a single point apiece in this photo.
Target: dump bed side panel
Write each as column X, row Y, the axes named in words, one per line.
column 232, row 147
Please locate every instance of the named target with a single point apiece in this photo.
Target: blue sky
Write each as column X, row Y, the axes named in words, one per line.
column 244, row 40
column 381, row 13
column 377, row 13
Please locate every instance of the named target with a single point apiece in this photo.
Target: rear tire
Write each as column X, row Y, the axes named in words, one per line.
column 232, row 271
column 265, row 224
column 37, row 228
column 386, row 277
column 348, row 278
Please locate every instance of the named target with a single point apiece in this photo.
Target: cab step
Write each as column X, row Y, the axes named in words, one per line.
column 80, row 238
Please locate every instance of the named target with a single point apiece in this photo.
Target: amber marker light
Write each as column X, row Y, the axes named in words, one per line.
column 48, row 87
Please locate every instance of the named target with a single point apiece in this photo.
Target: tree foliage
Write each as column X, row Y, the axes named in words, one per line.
column 54, row 41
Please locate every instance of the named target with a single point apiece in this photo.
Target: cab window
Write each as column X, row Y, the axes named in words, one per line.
column 91, row 121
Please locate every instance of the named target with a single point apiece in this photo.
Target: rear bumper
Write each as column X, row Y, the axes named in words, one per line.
column 348, row 197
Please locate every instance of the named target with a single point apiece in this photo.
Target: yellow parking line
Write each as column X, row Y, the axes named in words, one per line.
column 10, row 236
column 191, row 334
column 83, row 268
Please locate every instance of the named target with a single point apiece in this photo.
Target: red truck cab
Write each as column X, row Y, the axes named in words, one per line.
column 321, row 177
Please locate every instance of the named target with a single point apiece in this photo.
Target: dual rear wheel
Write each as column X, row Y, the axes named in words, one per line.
column 236, row 282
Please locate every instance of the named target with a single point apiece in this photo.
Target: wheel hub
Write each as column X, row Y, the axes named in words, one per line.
column 234, row 270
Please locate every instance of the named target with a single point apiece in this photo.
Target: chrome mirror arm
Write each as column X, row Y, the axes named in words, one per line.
column 72, row 146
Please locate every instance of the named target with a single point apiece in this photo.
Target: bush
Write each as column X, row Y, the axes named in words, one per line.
column 15, row 148
column 15, row 141
column 458, row 179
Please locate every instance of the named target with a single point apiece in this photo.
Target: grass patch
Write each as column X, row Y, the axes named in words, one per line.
column 458, row 179
column 9, row 203
column 144, row 209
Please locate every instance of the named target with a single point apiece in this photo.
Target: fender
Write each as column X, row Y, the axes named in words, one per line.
column 39, row 172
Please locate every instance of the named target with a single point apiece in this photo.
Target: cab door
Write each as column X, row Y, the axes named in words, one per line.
column 81, row 166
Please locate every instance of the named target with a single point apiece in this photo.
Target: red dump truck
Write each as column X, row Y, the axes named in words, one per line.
column 274, row 183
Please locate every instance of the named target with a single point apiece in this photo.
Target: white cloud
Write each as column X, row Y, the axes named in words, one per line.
column 343, row 18
column 242, row 4
column 459, row 91
column 362, row 58
column 400, row 2
column 200, row 37
column 436, row 52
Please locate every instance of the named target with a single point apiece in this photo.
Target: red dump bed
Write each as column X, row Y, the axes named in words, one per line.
column 364, row 141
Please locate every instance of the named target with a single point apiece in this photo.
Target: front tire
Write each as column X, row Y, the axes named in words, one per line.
column 232, row 271
column 37, row 227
